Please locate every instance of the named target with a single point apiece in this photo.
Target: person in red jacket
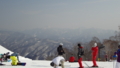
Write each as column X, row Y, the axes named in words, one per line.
column 94, row 54
column 72, row 59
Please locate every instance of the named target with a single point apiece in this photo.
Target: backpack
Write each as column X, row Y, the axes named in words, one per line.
column 82, row 52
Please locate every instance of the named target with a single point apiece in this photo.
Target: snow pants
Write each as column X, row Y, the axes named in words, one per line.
column 14, row 60
column 62, row 64
column 80, row 62
column 94, row 60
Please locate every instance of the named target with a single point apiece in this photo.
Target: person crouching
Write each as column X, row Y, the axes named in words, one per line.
column 58, row 61
column 14, row 60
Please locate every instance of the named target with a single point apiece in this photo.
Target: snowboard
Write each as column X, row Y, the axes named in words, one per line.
column 21, row 63
column 91, row 66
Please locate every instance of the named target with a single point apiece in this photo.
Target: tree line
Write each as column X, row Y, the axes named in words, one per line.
column 107, row 47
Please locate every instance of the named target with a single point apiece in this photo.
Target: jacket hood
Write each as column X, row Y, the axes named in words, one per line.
column 80, row 47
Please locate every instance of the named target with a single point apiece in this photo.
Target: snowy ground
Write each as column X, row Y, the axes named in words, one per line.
column 46, row 63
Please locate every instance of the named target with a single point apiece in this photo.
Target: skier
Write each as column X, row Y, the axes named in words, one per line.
column 118, row 58
column 80, row 54
column 60, row 49
column 58, row 61
column 94, row 54
column 106, row 57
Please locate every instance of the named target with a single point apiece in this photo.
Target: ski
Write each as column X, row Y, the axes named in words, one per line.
column 86, row 64
column 90, row 66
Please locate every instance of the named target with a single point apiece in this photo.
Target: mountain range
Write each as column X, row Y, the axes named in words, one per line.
column 41, row 43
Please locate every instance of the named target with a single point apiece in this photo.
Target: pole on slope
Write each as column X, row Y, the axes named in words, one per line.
column 86, row 64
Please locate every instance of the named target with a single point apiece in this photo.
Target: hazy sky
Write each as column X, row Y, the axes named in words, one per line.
column 30, row 14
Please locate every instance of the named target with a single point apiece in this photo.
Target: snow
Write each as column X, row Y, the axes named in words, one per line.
column 46, row 63
column 4, row 50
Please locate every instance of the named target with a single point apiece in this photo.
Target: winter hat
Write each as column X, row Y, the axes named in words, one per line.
column 95, row 44
column 79, row 44
column 61, row 44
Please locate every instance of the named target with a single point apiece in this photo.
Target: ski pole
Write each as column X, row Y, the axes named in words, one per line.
column 86, row 64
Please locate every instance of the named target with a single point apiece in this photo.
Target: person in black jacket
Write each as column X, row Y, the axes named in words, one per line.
column 80, row 54
column 60, row 49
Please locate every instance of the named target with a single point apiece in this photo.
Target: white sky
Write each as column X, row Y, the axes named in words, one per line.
column 30, row 14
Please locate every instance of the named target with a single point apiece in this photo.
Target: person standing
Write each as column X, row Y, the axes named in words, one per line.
column 118, row 58
column 80, row 54
column 58, row 61
column 94, row 54
column 60, row 49
column 106, row 57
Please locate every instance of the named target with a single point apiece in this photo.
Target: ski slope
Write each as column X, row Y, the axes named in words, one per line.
column 4, row 50
column 46, row 63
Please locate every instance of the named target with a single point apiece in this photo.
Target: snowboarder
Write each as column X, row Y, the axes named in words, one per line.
column 118, row 58
column 94, row 54
column 58, row 61
column 15, row 58
column 16, row 55
column 60, row 49
column 80, row 54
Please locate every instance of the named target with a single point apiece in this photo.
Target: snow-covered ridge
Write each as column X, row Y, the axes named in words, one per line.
column 4, row 50
column 46, row 63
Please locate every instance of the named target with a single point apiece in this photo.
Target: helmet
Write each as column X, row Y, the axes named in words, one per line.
column 95, row 44
column 79, row 44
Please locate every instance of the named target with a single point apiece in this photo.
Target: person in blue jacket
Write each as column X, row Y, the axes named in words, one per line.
column 118, row 57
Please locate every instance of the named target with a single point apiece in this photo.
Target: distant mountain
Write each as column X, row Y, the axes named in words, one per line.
column 28, row 46
column 72, row 35
column 40, row 43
